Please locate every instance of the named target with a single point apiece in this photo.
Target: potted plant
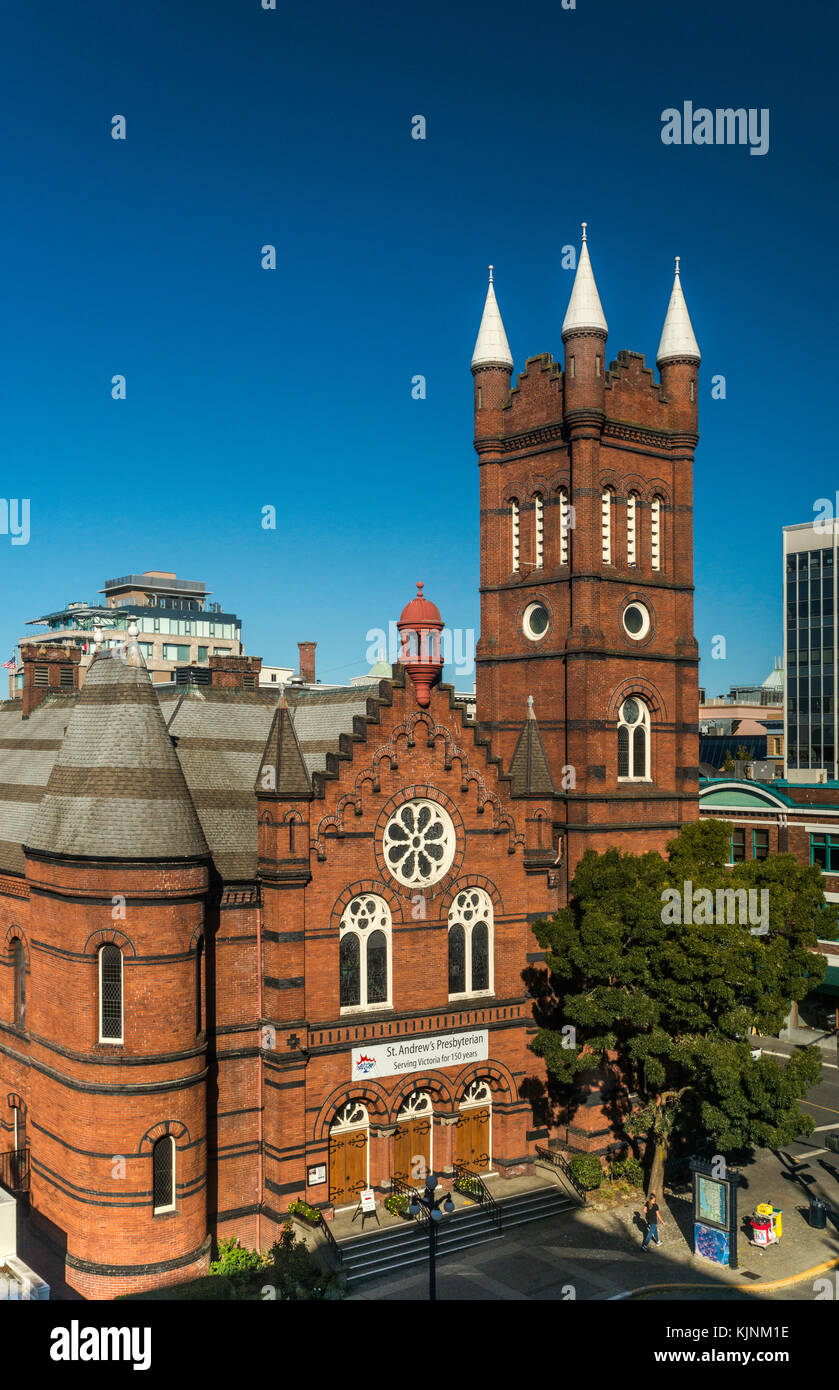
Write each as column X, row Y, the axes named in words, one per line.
column 397, row 1204
column 311, row 1215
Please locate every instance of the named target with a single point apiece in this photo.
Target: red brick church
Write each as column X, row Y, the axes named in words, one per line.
column 252, row 951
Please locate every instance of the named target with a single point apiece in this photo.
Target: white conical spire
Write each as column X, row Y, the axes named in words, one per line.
column 677, row 338
column 584, row 308
column 491, row 345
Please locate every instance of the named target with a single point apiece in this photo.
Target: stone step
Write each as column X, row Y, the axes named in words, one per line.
column 374, row 1255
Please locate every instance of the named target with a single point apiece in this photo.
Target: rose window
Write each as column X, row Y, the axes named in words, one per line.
column 419, row 843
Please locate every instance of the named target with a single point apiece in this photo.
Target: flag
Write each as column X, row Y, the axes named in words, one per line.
column 9, row 665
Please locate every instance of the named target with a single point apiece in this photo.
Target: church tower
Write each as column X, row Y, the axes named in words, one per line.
column 587, row 572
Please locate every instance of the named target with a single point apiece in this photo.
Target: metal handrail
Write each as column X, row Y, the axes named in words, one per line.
column 399, row 1187
column 335, row 1247
column 555, row 1157
column 14, row 1170
column 471, row 1184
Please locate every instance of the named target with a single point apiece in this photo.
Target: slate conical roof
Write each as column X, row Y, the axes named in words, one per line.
column 491, row 346
column 283, row 772
column 677, row 336
column 116, row 790
column 584, row 312
column 529, row 770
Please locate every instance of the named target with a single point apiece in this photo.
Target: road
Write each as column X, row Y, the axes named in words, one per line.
column 581, row 1257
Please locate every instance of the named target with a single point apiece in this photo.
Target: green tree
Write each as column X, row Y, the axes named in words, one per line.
column 676, row 999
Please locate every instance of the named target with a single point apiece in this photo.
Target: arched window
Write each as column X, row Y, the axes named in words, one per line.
column 415, row 1106
column 564, row 519
column 18, row 962
column 631, row 524
column 199, row 985
column 633, row 741
column 476, row 1093
column 470, row 943
column 655, row 533
column 110, row 994
column 516, row 527
column 163, row 1174
column 364, row 953
column 539, row 528
column 607, row 498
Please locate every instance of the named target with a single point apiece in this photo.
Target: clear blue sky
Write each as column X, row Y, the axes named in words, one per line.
column 293, row 388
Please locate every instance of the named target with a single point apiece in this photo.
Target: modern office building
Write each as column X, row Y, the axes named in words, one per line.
column 810, row 650
column 178, row 626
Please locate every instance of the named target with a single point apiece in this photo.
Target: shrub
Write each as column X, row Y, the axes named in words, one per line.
column 397, row 1203
column 587, row 1170
column 630, row 1169
column 294, row 1273
column 237, row 1262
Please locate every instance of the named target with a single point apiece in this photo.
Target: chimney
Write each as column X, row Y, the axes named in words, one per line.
column 235, row 672
column 307, row 661
column 47, row 670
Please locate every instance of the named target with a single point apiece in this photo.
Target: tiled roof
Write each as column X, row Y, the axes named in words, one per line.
column 154, row 773
column 530, row 774
column 116, row 788
column 220, row 737
column 283, row 771
column 28, row 749
column 321, row 717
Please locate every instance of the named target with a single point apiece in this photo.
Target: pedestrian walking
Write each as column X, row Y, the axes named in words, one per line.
column 652, row 1216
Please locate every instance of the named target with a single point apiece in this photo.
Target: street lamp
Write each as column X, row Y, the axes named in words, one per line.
column 430, row 1204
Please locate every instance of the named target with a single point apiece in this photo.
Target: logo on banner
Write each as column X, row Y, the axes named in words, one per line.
column 364, row 1064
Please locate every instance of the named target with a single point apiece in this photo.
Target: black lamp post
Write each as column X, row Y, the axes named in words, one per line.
column 431, row 1205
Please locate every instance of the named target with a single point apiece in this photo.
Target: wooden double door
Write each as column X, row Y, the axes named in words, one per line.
column 472, row 1138
column 347, row 1166
column 412, row 1150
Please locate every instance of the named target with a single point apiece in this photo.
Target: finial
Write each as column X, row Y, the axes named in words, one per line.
column 678, row 258
column 133, row 630
column 419, row 588
column 98, row 636
column 585, row 224
column 490, row 275
column 530, row 713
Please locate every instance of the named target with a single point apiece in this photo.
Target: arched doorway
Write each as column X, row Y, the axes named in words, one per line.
column 348, row 1154
column 473, row 1131
column 413, row 1138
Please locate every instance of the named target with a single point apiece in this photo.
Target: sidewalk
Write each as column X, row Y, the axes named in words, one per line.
column 596, row 1256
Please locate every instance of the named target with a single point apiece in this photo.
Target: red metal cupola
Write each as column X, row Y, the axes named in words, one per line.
column 419, row 644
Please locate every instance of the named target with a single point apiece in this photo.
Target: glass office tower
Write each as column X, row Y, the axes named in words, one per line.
column 810, row 564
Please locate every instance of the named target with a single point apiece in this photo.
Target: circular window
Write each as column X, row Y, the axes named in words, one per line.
column 419, row 843
column 636, row 620
column 535, row 621
column 630, row 711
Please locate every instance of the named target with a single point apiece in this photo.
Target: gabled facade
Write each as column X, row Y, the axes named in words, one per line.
column 255, row 950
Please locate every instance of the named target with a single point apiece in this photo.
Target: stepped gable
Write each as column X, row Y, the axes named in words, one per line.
column 28, row 750
column 529, row 772
column 329, row 723
column 116, row 789
column 325, row 721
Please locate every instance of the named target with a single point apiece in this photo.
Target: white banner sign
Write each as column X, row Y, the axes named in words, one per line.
column 416, row 1054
